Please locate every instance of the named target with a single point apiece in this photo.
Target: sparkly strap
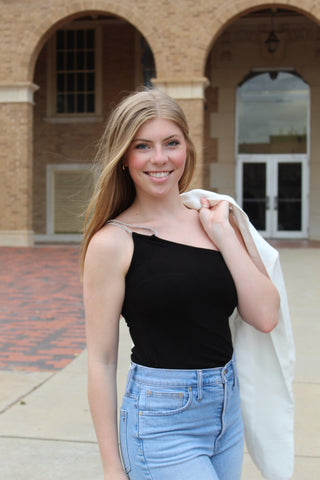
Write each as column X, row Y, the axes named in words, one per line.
column 129, row 228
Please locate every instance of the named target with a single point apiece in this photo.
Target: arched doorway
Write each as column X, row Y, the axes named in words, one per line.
column 84, row 68
column 272, row 144
column 242, row 66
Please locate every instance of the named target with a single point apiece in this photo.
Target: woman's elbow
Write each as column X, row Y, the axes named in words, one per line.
column 271, row 315
column 269, row 324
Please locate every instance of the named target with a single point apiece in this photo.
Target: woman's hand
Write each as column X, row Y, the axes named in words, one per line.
column 216, row 220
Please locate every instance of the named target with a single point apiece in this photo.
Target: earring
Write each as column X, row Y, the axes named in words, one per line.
column 123, row 167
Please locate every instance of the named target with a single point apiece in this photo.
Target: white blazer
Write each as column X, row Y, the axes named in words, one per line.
column 265, row 362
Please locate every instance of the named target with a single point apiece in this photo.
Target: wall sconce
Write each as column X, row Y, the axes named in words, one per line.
column 272, row 40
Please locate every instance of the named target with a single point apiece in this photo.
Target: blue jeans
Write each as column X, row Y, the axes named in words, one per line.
column 182, row 424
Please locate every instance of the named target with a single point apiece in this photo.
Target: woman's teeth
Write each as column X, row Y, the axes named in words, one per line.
column 158, row 174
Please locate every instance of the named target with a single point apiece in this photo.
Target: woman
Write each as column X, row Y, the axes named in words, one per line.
column 176, row 275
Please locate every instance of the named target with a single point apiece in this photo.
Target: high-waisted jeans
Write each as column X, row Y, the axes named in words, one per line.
column 182, row 424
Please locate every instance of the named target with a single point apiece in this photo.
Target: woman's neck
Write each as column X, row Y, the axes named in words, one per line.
column 156, row 210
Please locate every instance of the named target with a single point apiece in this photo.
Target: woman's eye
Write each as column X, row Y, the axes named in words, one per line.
column 141, row 146
column 173, row 143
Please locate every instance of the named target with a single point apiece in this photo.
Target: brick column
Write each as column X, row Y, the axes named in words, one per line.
column 189, row 92
column 16, row 159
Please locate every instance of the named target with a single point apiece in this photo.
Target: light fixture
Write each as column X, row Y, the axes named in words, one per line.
column 272, row 40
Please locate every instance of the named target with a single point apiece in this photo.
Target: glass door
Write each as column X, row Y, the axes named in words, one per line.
column 273, row 192
column 254, row 195
column 272, row 153
column 288, row 198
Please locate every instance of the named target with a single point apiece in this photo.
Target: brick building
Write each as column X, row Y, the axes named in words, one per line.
column 246, row 72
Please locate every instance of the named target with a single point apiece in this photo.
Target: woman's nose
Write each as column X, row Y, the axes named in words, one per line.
column 159, row 155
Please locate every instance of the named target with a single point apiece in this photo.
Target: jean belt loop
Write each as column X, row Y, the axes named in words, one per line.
column 234, row 369
column 130, row 374
column 199, row 383
column 224, row 370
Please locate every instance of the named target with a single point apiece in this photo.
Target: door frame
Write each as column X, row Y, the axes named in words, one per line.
column 273, row 180
column 272, row 162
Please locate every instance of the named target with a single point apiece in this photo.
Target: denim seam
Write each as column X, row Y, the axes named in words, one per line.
column 224, row 407
column 159, row 413
column 143, row 453
column 124, row 448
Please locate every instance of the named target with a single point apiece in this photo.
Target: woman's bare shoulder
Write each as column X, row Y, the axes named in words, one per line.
column 110, row 246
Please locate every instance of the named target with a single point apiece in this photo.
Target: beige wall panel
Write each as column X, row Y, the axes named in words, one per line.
column 315, row 128
column 226, row 150
column 314, row 201
column 315, row 99
column 314, row 232
column 314, row 179
column 222, row 125
column 193, row 109
column 315, row 143
column 311, row 74
column 222, row 178
column 227, row 100
column 228, row 77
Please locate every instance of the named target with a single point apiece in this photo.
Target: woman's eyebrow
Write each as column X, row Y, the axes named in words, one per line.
column 166, row 138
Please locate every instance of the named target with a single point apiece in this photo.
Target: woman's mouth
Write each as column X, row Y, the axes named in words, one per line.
column 158, row 174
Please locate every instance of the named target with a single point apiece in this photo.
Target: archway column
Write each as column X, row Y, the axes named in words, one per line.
column 314, row 194
column 16, row 159
column 189, row 93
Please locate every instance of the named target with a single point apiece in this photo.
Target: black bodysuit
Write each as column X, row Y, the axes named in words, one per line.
column 177, row 303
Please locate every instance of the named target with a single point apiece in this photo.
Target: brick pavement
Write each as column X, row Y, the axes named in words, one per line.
column 41, row 310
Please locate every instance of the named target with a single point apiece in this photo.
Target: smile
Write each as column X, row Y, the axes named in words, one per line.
column 158, row 174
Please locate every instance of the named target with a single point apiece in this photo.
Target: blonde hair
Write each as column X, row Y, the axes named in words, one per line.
column 115, row 191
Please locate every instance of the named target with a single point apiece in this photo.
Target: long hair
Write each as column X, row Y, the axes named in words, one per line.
column 115, row 191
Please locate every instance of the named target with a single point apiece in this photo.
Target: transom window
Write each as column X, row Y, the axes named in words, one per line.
column 273, row 114
column 75, row 71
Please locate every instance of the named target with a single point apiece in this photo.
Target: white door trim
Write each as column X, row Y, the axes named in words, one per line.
column 272, row 162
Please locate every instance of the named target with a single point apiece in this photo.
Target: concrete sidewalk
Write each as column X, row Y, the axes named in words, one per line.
column 45, row 426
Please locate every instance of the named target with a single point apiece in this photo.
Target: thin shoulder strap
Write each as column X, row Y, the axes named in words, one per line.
column 129, row 228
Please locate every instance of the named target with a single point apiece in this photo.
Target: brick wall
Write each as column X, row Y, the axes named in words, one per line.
column 182, row 36
column 15, row 167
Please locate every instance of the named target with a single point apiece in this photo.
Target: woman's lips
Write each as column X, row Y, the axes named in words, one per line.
column 162, row 174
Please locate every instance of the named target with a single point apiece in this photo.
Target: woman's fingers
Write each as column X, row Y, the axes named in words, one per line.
column 204, row 203
column 223, row 206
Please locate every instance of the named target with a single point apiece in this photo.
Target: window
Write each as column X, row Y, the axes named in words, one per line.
column 73, row 75
column 69, row 189
column 273, row 114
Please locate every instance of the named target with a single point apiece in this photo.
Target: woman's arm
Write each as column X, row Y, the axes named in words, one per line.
column 104, row 272
column 258, row 298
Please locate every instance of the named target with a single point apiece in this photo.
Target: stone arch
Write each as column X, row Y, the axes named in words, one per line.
column 228, row 12
column 29, row 50
column 221, row 127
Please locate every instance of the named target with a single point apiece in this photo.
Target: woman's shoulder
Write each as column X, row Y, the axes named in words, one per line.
column 110, row 246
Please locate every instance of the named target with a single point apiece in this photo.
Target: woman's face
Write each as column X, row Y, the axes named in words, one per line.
column 156, row 157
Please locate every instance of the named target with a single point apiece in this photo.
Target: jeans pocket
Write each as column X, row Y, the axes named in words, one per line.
column 158, row 402
column 123, row 431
